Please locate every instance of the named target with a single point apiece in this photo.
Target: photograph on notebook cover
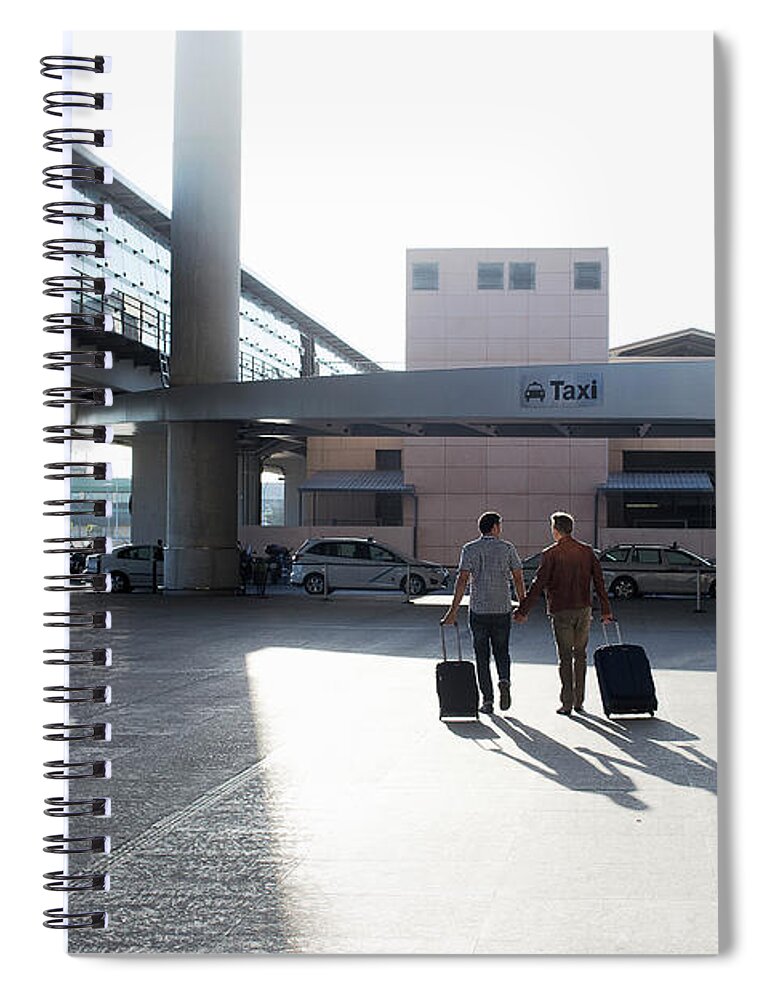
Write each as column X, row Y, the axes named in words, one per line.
column 410, row 279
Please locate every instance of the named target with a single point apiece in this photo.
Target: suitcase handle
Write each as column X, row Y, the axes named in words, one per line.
column 456, row 627
column 617, row 627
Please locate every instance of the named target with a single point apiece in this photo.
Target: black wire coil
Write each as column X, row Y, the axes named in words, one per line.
column 58, row 174
column 59, row 285
column 58, row 920
column 76, row 508
column 79, row 619
column 100, row 657
column 69, row 395
column 57, row 99
column 59, row 694
column 54, row 66
column 76, row 882
column 57, row 138
column 58, row 361
column 58, row 211
column 63, row 248
column 74, row 732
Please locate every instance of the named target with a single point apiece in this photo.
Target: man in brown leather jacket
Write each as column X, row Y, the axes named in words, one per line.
column 567, row 570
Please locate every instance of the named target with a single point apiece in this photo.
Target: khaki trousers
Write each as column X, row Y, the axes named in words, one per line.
column 570, row 633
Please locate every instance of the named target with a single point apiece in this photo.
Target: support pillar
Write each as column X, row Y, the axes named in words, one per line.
column 202, row 507
column 205, row 294
column 294, row 474
column 148, row 486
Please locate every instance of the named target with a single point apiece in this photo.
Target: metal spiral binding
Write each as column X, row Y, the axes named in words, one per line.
column 60, row 173
column 75, row 99
column 74, row 732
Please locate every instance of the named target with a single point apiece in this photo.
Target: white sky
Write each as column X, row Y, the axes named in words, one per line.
column 357, row 145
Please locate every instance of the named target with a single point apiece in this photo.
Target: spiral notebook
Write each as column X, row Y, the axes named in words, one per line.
column 409, row 277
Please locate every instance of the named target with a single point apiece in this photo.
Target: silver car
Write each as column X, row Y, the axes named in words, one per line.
column 633, row 570
column 322, row 565
column 130, row 567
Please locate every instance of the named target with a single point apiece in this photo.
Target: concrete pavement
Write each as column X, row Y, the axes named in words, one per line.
column 282, row 783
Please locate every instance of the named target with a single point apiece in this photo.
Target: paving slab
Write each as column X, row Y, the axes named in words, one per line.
column 282, row 784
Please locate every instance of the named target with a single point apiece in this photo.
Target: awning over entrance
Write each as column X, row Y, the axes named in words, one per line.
column 356, row 482
column 643, row 399
column 646, row 482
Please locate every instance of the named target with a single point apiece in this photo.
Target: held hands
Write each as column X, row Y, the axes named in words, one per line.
column 519, row 617
column 449, row 618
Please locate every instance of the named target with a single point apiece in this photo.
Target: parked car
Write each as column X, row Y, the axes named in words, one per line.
column 130, row 567
column 632, row 570
column 322, row 565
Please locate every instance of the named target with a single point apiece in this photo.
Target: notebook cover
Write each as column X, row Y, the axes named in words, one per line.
column 280, row 781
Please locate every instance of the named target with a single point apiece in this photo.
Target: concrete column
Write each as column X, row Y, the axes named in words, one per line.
column 148, row 486
column 205, row 292
column 202, row 507
column 250, row 477
column 205, row 225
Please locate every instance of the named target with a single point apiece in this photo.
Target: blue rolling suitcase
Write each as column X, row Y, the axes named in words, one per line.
column 458, row 692
column 625, row 678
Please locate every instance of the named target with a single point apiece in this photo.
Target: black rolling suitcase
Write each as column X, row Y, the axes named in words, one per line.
column 625, row 678
column 458, row 692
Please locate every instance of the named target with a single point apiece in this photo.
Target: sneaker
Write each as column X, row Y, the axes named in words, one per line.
column 486, row 707
column 563, row 711
column 578, row 708
column 505, row 696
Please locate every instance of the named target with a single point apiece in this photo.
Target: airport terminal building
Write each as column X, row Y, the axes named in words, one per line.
column 540, row 314
column 545, row 310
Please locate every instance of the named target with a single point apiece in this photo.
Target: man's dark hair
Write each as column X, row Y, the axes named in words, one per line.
column 564, row 523
column 488, row 520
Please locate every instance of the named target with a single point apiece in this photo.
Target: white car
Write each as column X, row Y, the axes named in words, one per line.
column 322, row 565
column 130, row 567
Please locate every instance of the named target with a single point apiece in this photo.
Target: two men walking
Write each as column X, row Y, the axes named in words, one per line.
column 567, row 571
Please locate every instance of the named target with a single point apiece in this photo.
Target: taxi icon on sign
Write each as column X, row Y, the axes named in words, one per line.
column 534, row 391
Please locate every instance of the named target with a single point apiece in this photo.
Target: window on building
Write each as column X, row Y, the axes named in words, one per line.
column 668, row 509
column 425, row 276
column 490, row 276
column 588, row 275
column 389, row 509
column 521, row 276
column 387, row 459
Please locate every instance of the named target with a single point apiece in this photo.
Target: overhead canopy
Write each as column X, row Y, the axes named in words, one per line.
column 643, row 482
column 646, row 399
column 356, row 482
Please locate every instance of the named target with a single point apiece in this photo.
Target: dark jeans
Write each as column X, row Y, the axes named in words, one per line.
column 494, row 631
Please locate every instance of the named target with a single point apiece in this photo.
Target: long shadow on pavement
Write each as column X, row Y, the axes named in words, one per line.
column 554, row 761
column 642, row 740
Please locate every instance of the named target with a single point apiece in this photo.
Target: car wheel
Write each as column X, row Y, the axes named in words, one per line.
column 624, row 588
column 417, row 585
column 314, row 584
column 120, row 583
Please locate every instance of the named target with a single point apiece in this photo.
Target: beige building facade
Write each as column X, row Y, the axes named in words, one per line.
column 475, row 308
